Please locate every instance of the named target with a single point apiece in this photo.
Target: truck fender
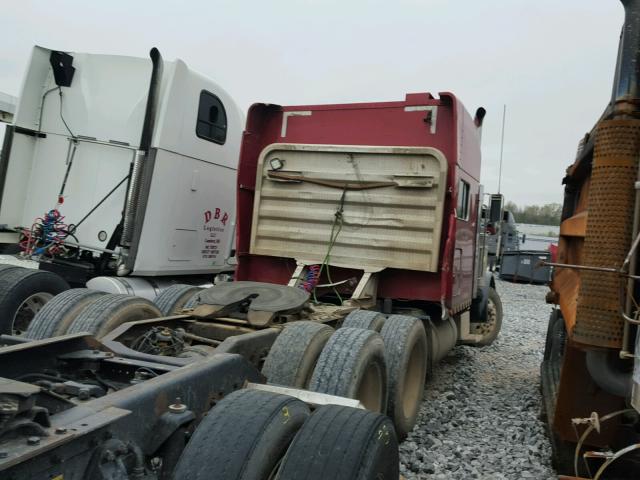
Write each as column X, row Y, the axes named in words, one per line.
column 479, row 304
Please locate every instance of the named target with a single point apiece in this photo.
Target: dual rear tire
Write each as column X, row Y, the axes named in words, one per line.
column 83, row 310
column 56, row 316
column 109, row 311
column 385, row 371
column 253, row 434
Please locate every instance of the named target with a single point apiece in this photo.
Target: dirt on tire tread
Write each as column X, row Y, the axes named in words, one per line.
column 395, row 334
column 256, row 408
column 344, row 435
column 286, row 354
column 333, row 373
column 365, row 319
column 167, row 299
column 92, row 318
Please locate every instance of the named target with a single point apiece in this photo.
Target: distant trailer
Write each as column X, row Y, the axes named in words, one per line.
column 525, row 266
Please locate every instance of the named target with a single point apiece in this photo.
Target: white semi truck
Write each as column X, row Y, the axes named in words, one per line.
column 116, row 172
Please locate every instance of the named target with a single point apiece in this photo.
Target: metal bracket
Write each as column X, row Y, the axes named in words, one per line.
column 366, row 292
column 296, row 278
column 167, row 423
column 364, row 295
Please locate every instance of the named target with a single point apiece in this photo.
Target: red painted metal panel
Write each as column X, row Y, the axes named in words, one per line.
column 373, row 124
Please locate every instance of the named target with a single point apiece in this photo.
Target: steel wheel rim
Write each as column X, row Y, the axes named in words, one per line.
column 370, row 388
column 27, row 310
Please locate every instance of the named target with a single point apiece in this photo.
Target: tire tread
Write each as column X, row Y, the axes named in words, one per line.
column 282, row 365
column 338, row 443
column 366, row 319
column 46, row 322
column 332, row 373
column 396, row 334
column 98, row 313
column 229, row 434
column 168, row 298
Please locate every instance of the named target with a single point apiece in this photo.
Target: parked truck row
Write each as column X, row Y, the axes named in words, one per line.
column 358, row 242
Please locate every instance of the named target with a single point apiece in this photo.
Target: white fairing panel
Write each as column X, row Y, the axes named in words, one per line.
column 190, row 216
column 189, row 222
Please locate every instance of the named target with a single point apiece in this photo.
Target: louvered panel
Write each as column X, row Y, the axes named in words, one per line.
column 398, row 225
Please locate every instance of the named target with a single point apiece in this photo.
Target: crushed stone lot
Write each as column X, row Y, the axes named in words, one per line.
column 480, row 415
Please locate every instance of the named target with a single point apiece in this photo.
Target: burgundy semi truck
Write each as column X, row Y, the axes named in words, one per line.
column 405, row 176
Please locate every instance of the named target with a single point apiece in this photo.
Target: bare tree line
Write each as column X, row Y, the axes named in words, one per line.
column 548, row 214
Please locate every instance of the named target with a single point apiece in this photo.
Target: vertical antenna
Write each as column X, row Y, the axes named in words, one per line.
column 504, row 115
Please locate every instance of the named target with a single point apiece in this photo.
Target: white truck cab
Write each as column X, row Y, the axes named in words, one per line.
column 138, row 157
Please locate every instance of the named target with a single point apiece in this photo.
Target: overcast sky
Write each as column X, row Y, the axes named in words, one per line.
column 551, row 62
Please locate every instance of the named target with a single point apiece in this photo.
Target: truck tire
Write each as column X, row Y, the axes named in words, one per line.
column 110, row 311
column 244, row 437
column 490, row 329
column 406, row 354
column 367, row 319
column 171, row 300
column 23, row 292
column 352, row 365
column 295, row 352
column 5, row 267
column 193, row 301
column 342, row 443
column 57, row 314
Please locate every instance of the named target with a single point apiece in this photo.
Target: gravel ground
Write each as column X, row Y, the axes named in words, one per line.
column 479, row 418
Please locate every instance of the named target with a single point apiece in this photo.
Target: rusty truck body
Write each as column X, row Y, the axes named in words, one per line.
column 591, row 395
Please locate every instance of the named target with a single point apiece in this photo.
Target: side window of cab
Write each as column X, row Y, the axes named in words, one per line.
column 462, row 208
column 212, row 119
